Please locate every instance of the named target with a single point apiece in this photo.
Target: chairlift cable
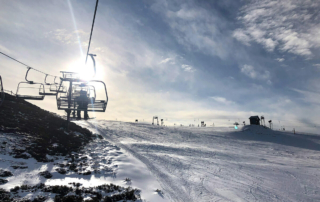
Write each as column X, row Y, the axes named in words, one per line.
column 25, row 64
column 94, row 17
column 14, row 59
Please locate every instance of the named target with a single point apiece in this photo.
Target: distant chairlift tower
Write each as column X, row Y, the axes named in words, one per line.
column 202, row 124
column 161, row 122
column 155, row 117
column 263, row 123
column 270, row 124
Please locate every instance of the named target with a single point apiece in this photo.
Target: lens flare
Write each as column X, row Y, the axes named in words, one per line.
column 75, row 27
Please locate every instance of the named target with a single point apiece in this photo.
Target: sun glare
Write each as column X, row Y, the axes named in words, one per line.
column 85, row 71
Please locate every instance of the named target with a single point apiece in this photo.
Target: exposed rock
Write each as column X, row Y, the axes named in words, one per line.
column 46, row 174
column 61, row 171
column 2, row 181
column 5, row 173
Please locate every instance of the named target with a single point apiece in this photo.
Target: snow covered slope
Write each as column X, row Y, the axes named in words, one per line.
column 222, row 164
column 99, row 163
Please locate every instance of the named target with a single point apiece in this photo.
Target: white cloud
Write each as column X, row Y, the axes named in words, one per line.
column 194, row 27
column 241, row 35
column 316, row 65
column 280, row 59
column 257, row 87
column 67, row 37
column 251, row 72
column 222, row 100
column 309, row 97
column 288, row 25
column 188, row 68
column 287, row 101
column 269, row 82
column 164, row 61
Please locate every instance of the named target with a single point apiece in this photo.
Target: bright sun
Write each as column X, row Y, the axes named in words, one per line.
column 85, row 71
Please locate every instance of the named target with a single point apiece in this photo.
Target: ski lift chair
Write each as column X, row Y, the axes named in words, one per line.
column 71, row 76
column 94, row 104
column 55, row 87
column 70, row 103
column 30, row 97
column 2, row 95
column 49, row 92
column 63, row 97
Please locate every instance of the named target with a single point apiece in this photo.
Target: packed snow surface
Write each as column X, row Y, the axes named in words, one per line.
column 252, row 163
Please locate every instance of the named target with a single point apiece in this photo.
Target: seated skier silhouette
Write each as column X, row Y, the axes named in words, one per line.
column 82, row 102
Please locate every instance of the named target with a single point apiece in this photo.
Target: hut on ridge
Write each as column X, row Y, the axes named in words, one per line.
column 254, row 120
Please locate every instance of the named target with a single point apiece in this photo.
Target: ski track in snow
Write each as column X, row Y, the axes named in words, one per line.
column 222, row 164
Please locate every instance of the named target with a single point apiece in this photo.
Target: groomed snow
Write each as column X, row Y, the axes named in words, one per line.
column 219, row 164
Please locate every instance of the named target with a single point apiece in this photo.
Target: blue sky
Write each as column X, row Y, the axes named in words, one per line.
column 181, row 60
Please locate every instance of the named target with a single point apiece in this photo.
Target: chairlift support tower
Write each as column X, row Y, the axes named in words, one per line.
column 263, row 123
column 202, row 124
column 155, row 117
column 270, row 124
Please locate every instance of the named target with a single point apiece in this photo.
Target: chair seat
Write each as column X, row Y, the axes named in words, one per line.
column 49, row 94
column 28, row 97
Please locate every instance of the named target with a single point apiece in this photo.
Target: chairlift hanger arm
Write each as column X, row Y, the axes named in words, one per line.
column 54, row 81
column 94, row 17
column 26, row 77
column 45, row 80
column 94, row 63
column 42, row 87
